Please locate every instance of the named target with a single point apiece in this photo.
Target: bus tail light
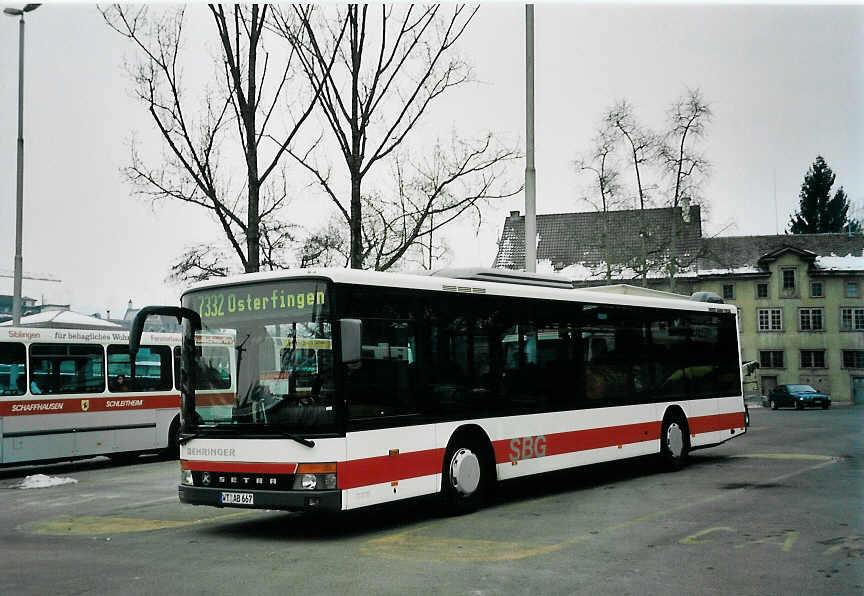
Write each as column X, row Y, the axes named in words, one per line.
column 315, row 477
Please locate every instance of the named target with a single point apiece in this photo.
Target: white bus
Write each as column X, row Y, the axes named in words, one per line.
column 441, row 385
column 74, row 393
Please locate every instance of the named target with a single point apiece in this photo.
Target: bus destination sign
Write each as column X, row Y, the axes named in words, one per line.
column 292, row 300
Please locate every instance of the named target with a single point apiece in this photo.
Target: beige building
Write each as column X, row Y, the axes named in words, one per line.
column 800, row 297
column 801, row 316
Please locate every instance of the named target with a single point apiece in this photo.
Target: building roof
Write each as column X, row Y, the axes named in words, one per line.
column 64, row 319
column 568, row 238
column 732, row 252
column 572, row 244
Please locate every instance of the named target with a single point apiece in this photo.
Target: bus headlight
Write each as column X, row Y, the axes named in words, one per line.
column 315, row 477
column 306, row 482
column 314, row 482
column 186, row 477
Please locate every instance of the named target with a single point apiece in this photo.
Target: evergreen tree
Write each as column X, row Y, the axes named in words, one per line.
column 818, row 212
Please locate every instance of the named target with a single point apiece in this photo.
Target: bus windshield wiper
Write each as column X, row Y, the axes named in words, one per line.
column 305, row 442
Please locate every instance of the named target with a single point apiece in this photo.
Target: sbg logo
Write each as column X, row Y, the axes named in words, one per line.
column 527, row 447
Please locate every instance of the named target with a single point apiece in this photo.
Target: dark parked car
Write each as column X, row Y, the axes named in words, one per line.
column 798, row 397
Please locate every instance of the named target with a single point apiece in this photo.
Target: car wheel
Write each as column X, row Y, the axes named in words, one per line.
column 773, row 405
column 674, row 442
column 466, row 476
column 826, row 406
column 799, row 405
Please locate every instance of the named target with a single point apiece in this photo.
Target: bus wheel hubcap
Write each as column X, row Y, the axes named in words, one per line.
column 465, row 472
column 675, row 440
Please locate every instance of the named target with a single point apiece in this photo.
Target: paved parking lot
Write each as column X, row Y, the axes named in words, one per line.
column 778, row 511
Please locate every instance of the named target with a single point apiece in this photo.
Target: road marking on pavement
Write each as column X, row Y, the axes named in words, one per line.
column 94, row 524
column 414, row 545
column 804, row 456
column 698, row 537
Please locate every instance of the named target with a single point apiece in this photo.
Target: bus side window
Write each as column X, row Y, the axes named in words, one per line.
column 384, row 384
column 464, row 362
column 152, row 369
column 668, row 348
column 67, row 368
column 13, row 369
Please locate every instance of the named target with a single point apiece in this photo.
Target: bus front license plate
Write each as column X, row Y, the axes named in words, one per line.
column 237, row 499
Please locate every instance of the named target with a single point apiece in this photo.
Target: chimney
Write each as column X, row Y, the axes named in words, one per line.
column 514, row 213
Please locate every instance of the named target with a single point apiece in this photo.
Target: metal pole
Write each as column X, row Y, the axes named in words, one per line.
column 19, row 193
column 530, row 174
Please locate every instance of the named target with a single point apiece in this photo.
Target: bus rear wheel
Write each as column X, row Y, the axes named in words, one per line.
column 466, row 476
column 674, row 442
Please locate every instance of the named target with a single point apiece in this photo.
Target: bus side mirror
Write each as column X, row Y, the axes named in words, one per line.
column 350, row 331
column 172, row 311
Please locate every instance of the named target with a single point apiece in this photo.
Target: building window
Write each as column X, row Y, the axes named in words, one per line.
column 851, row 289
column 852, row 319
column 810, row 319
column 770, row 319
column 812, row 358
column 789, row 280
column 816, row 289
column 771, row 358
column 729, row 291
column 853, row 358
column 762, row 290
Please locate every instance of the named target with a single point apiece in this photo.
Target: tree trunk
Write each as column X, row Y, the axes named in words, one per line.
column 356, row 223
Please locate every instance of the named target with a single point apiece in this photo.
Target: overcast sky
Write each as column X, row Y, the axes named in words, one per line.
column 785, row 84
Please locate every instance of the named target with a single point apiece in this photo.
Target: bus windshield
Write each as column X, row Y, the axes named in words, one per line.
column 264, row 358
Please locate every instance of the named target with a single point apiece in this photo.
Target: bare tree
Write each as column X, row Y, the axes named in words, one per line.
column 601, row 164
column 684, row 167
column 640, row 143
column 234, row 120
column 426, row 195
column 393, row 63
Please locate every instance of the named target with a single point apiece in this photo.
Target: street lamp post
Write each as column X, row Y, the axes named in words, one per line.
column 19, row 191
column 530, row 172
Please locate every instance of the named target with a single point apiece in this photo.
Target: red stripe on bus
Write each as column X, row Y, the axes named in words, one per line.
column 79, row 405
column 238, row 467
column 375, row 470
column 707, row 424
column 581, row 440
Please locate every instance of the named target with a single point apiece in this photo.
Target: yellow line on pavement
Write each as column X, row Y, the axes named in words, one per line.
column 799, row 456
column 413, row 546
column 94, row 524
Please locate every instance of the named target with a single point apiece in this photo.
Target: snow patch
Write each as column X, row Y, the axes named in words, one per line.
column 43, row 481
column 835, row 263
column 731, row 271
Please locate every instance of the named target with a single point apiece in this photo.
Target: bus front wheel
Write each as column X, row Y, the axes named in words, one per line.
column 674, row 442
column 172, row 451
column 466, row 476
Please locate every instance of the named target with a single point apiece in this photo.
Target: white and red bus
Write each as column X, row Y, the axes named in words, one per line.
column 74, row 393
column 431, row 384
